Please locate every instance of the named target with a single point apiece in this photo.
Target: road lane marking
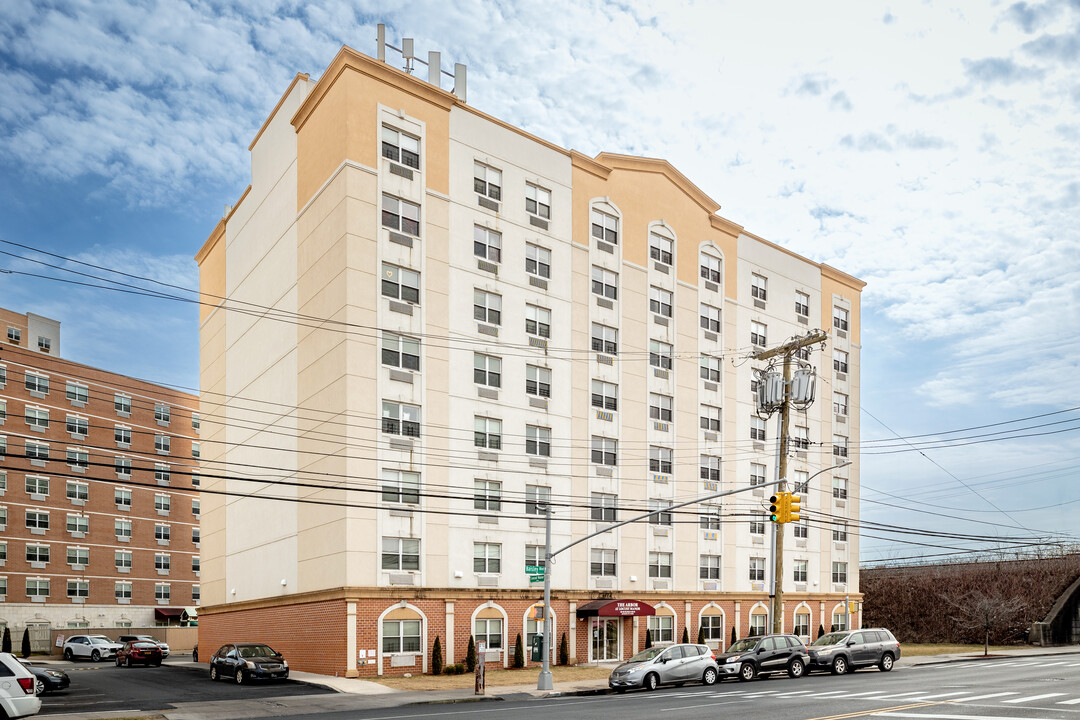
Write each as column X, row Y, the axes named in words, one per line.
column 826, row 694
column 943, row 695
column 903, row 695
column 797, row 692
column 1030, row 698
column 934, row 716
column 1050, row 664
column 1074, row 701
column 984, row 697
column 879, row 711
column 872, row 692
column 1073, row 665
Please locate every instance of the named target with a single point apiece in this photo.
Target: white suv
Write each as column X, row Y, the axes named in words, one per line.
column 94, row 647
column 17, row 698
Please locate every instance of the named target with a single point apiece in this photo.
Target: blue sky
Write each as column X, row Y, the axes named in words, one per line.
column 931, row 149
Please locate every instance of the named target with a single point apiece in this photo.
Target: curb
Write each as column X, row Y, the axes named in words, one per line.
column 454, row 701
column 988, row 658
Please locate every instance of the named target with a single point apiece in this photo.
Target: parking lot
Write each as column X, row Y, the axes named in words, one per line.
column 99, row 687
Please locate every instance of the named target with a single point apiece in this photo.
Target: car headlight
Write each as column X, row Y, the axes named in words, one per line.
column 250, row 665
column 285, row 663
column 53, row 673
column 733, row 658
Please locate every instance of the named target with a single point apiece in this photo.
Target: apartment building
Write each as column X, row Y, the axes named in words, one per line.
column 99, row 503
column 458, row 324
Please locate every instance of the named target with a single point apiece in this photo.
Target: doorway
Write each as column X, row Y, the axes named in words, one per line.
column 605, row 639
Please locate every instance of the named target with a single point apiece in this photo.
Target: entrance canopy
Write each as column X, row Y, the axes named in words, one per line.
column 615, row 608
column 168, row 613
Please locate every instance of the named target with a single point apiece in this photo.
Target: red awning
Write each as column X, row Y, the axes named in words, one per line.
column 168, row 613
column 615, row 608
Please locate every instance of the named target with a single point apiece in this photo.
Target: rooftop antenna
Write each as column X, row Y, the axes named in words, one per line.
column 434, row 62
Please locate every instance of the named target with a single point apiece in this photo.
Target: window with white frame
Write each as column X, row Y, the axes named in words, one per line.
column 840, row 403
column 839, row 621
column 196, row 422
column 195, row 536
column 400, row 553
column 162, row 473
column 757, row 523
column 37, row 553
column 37, row 520
column 196, row 564
column 602, row 562
column 710, row 418
column 660, row 302
column 710, row 517
column 398, row 283
column 489, row 631
column 604, row 507
column 122, row 403
column 78, row 588
column 839, row 532
column 710, row 318
column 487, row 557
column 605, row 283
column 537, row 321
column 757, row 569
column 710, row 467
column 537, row 261
column 660, row 407
column 605, row 339
column 77, row 392
column 122, row 497
column 534, row 555
column 712, row 627
column 487, row 495
column 123, row 527
column 605, row 395
column 196, row 449
column 537, row 498
column 757, row 428
column 604, row 450
column 77, row 491
column 710, row 268
column 162, row 443
column 802, row 304
column 605, row 227
column 659, row 565
column 162, row 502
column 3, row 374
column 799, row 573
column 401, row 636
column 78, row 524
column 664, row 516
column 660, row 459
column 839, row 572
column 400, row 351
column 122, row 435
column 661, row 354
column 122, row 590
column 400, row 147
column 839, row 318
column 35, row 450
column 3, row 411
column 661, row 248
column 37, row 587
column 400, row 419
column 840, row 361
column 162, row 591
column 801, row 482
column 37, row 418
column 162, row 561
column 122, row 558
column 487, row 370
column 840, row 448
column 36, row 382
column 487, row 181
column 77, row 425
column 661, row 628
column 802, row 624
column 758, row 623
column 487, row 433
column 400, row 215
column 487, row 244
column 196, row 507
column 487, row 307
column 37, row 485
column 839, row 488
column 3, row 551
column 709, row 567
column 162, row 532
column 162, row 413
column 800, row 437
column 801, row 529
column 14, row 334
column 196, row 480
column 537, row 201
column 711, row 368
column 537, row 441
column 759, row 287
column 758, row 333
column 78, row 458
column 537, row 381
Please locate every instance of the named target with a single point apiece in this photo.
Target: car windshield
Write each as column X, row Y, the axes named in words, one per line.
column 646, row 654
column 831, row 639
column 100, row 641
column 250, row 651
column 144, row 644
column 743, row 645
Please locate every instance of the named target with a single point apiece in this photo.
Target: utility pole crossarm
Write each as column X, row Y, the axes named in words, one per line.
column 811, row 338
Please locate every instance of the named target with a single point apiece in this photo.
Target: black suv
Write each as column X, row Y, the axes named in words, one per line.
column 763, row 655
column 844, row 651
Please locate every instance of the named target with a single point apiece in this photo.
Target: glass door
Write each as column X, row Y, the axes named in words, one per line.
column 605, row 639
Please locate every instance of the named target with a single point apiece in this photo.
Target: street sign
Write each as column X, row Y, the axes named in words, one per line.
column 535, row 573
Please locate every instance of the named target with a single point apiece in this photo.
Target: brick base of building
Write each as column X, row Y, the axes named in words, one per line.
column 340, row 632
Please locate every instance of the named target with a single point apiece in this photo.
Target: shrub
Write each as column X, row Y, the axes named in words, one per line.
column 519, row 653
column 820, row 630
column 564, row 651
column 701, row 636
column 7, row 640
column 648, row 639
column 685, row 635
column 436, row 657
column 26, row 643
column 734, row 637
column 455, row 669
column 470, row 655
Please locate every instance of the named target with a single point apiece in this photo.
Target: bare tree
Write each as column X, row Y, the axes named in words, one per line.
column 989, row 611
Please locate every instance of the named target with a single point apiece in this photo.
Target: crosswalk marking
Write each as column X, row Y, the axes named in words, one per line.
column 872, row 692
column 943, row 695
column 826, row 694
column 1074, row 701
column 985, row 697
column 797, row 692
column 901, row 695
column 1073, row 665
column 1032, row 698
column 1050, row 664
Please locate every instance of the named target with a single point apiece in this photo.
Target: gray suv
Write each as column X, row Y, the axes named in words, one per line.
column 844, row 651
column 764, row 655
column 665, row 665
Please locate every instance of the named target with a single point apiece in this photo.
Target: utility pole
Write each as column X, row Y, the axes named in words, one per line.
column 787, row 350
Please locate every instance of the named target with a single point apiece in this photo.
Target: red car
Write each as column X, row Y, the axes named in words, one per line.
column 139, row 651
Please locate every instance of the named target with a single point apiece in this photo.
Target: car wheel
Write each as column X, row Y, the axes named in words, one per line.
column 95, row 656
column 67, row 654
column 39, row 686
column 118, row 662
column 651, row 681
column 213, row 672
column 709, row 676
column 240, row 677
column 886, row 662
column 839, row 666
column 795, row 669
column 747, row 672
column 129, row 663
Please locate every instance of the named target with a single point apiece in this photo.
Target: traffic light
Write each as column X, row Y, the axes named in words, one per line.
column 794, row 504
column 778, row 510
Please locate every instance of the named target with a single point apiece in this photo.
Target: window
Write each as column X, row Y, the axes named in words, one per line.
column 604, row 227
column 605, row 339
column 757, row 428
column 660, row 248
column 802, row 528
column 122, row 497
column 487, row 557
column 162, row 532
column 196, row 422
column 487, row 433
column 757, row 523
column 799, row 574
column 710, row 318
column 37, row 418
column 3, row 374
column 710, row 517
column 487, row 182
column 839, row 621
column 3, row 517
column 710, row 468
column 196, row 480
column 400, row 215
column 487, row 495
column 76, row 392
column 489, row 630
column 839, row 572
column 37, row 553
column 36, row 485
column 840, row 361
column 709, row 567
column 537, row 498
column 537, row 381
column 802, row 304
column 196, row 450
column 400, row 554
column 537, row 261
column 537, row 201
column 537, row 321
column 162, row 443
column 839, row 532
column 3, row 551
column 840, row 403
column 605, row 395
column 122, row 403
column 78, row 458
column 757, row 624
column 122, row 558
column 663, row 517
column 661, row 354
column 605, row 283
column 801, row 482
column 14, row 334
column 662, row 628
column 36, row 519
column 77, row 491
column 37, row 383
column 401, row 636
column 487, row 307
column 196, row 507
column 758, row 287
column 604, row 450
column 534, row 555
column 195, row 536
column 659, row 565
column 122, row 590
column 604, row 507
column 802, row 624
column 196, row 564
column 839, row 488
column 602, row 563
column 710, row 418
column 711, row 368
column 710, row 268
column 758, row 333
column 162, row 413
column 537, row 441
column 400, row 351
column 660, row 302
column 800, row 437
column 162, row 502
column 487, row 370
column 3, row 411
column 660, row 460
column 757, row 569
column 712, row 626
column 162, row 591
column 400, row 148
column 37, row 587
column 162, row 561
column 78, row 524
column 122, row 435
column 400, row 284
column 660, row 407
column 839, row 318
column 840, row 448
column 123, row 528
column 400, row 419
column 77, row 425
column 487, row 244
column 162, row 473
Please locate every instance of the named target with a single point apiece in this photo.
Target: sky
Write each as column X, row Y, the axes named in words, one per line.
column 931, row 149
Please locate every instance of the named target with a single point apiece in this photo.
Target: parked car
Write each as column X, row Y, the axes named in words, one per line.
column 664, row 665
column 46, row 679
column 764, row 655
column 134, row 638
column 846, row 650
column 94, row 647
column 17, row 698
column 248, row 661
column 142, row 652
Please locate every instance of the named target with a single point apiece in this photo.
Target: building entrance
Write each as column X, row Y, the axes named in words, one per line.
column 605, row 639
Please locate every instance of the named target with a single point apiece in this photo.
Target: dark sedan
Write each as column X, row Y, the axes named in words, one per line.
column 140, row 652
column 47, row 679
column 248, row 661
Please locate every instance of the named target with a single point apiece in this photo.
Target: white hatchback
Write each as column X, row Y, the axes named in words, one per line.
column 17, row 698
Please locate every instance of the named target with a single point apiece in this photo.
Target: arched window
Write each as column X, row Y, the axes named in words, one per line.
column 662, row 625
column 712, row 625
